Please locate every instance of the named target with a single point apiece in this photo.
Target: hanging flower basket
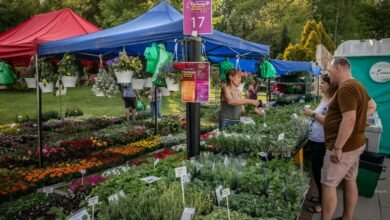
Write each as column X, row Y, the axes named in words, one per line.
column 124, row 76
column 165, row 92
column 171, row 85
column 31, row 82
column 99, row 94
column 69, row 81
column 138, row 83
column 46, row 87
column 63, row 92
column 148, row 82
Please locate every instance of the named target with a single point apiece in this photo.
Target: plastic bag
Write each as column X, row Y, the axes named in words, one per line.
column 224, row 67
column 164, row 57
column 140, row 106
column 267, row 70
column 6, row 75
column 151, row 56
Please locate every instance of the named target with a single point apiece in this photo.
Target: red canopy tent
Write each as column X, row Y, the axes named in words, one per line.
column 18, row 44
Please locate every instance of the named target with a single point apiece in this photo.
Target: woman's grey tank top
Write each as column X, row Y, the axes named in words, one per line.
column 231, row 112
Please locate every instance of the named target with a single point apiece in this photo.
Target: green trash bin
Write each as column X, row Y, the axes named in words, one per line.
column 370, row 169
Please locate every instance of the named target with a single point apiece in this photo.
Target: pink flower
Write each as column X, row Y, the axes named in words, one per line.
column 44, row 150
column 29, row 152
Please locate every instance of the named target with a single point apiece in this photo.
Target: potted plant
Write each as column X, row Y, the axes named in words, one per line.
column 68, row 71
column 122, row 67
column 105, row 85
column 29, row 76
column 48, row 76
column 139, row 76
column 171, row 75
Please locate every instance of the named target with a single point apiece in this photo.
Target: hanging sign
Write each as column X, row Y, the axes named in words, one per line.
column 380, row 72
column 198, row 17
column 195, row 82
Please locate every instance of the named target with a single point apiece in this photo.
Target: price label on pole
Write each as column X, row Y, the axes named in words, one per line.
column 181, row 171
column 48, row 190
column 186, row 179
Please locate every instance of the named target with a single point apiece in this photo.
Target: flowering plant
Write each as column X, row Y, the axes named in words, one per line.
column 105, row 84
column 171, row 70
column 124, row 62
column 94, row 180
column 48, row 73
column 67, row 66
column 247, row 79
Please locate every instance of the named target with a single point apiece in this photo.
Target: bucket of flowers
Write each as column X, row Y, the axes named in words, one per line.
column 29, row 77
column 48, row 76
column 124, row 67
column 171, row 75
column 68, row 71
column 139, row 76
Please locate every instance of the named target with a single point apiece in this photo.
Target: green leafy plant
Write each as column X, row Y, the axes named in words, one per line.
column 75, row 111
column 67, row 66
column 46, row 116
column 167, row 70
column 48, row 74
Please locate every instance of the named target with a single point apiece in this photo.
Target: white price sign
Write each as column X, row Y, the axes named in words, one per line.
column 218, row 193
column 186, row 179
column 181, row 171
column 150, row 179
column 83, row 172
column 93, row 201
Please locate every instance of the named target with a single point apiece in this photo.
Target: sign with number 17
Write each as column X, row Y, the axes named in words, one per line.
column 197, row 17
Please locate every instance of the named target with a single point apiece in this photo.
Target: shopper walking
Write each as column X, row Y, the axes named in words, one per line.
column 344, row 127
column 129, row 96
column 155, row 102
column 317, row 139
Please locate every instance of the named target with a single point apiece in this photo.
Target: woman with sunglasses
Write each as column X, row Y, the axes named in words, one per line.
column 316, row 137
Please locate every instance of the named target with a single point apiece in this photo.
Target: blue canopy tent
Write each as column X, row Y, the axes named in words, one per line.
column 163, row 23
column 282, row 67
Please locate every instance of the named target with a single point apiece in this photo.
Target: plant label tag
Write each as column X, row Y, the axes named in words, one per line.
column 150, row 179
column 263, row 154
column 83, row 172
column 265, row 125
column 93, row 201
column 188, row 214
column 281, row 137
column 81, row 214
column 48, row 190
column 218, row 193
column 225, row 192
column 186, row 179
column 226, row 161
column 213, row 168
column 181, row 171
column 156, row 162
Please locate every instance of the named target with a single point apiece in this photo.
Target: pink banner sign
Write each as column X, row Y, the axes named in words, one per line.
column 198, row 17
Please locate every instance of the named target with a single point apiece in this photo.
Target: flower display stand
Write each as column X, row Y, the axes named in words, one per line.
column 69, row 81
column 31, row 83
column 124, row 76
column 138, row 83
column 171, row 86
column 46, row 87
column 148, row 83
column 165, row 92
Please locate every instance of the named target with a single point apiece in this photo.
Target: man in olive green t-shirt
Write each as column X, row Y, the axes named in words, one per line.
column 344, row 127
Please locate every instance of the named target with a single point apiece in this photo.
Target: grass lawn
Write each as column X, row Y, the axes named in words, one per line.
column 25, row 103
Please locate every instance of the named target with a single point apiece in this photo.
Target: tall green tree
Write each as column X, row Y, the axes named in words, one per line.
column 14, row 12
